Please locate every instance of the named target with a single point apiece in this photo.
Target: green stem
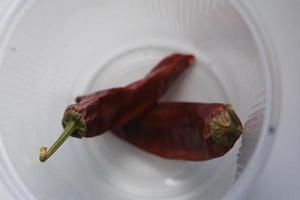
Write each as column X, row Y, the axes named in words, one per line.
column 69, row 129
column 225, row 127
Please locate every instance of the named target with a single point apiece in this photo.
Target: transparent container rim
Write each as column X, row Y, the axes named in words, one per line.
column 16, row 10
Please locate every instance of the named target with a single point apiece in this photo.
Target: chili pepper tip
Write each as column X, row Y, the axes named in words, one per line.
column 191, row 59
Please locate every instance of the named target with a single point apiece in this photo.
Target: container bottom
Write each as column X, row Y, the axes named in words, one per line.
column 133, row 171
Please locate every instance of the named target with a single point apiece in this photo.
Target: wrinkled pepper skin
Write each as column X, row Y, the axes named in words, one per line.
column 184, row 131
column 94, row 114
column 113, row 108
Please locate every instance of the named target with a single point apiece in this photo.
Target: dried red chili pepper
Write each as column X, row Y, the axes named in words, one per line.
column 184, row 131
column 109, row 109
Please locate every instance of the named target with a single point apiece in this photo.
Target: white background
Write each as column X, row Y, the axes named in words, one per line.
column 280, row 179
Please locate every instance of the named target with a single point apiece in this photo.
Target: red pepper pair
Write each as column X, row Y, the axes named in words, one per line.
column 186, row 131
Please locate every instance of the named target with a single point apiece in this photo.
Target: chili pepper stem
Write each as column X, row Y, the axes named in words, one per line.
column 226, row 125
column 69, row 129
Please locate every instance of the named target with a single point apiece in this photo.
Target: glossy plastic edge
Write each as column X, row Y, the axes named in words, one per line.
column 12, row 11
column 273, row 104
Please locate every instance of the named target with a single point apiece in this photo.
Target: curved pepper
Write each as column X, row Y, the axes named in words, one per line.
column 105, row 110
column 184, row 131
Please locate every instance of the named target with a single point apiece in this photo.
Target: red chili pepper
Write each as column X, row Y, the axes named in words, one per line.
column 184, row 131
column 102, row 111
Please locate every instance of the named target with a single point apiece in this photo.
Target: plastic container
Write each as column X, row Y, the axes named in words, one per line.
column 53, row 50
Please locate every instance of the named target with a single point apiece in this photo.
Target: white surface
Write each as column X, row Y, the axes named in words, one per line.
column 4, row 194
column 280, row 179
